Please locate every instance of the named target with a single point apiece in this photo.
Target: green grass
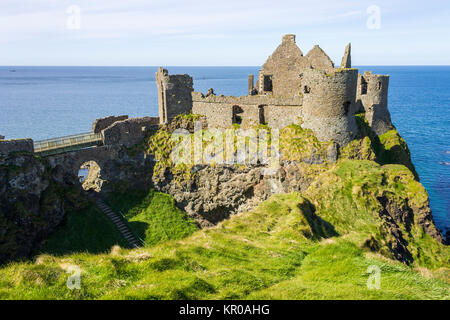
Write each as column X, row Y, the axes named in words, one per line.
column 348, row 197
column 84, row 230
column 388, row 148
column 153, row 215
column 340, row 271
column 287, row 248
column 312, row 245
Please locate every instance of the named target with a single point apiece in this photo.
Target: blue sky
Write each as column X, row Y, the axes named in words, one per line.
column 231, row 32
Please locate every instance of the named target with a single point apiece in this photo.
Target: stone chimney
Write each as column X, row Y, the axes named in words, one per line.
column 289, row 38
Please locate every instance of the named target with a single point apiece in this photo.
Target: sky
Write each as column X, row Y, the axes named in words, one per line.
column 219, row 33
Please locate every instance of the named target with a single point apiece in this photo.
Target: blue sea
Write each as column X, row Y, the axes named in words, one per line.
column 46, row 102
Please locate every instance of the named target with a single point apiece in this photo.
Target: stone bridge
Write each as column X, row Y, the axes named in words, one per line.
column 107, row 145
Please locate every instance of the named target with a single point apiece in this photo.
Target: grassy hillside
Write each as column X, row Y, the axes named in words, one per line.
column 84, row 230
column 293, row 246
column 152, row 215
column 366, row 211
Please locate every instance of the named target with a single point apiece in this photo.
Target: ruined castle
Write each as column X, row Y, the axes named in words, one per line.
column 290, row 88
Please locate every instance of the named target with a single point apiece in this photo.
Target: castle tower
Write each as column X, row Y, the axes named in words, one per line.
column 329, row 104
column 174, row 94
column 372, row 95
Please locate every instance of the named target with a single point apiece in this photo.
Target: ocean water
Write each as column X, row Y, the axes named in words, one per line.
column 46, row 102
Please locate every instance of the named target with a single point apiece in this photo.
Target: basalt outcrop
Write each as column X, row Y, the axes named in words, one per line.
column 36, row 192
column 396, row 202
column 31, row 204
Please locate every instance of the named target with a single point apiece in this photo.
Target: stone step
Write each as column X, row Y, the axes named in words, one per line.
column 117, row 221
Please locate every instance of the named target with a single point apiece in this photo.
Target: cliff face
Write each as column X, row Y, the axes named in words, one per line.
column 368, row 191
column 31, row 204
column 346, row 211
column 370, row 185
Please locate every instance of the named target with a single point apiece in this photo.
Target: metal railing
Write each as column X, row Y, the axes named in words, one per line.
column 125, row 220
column 68, row 141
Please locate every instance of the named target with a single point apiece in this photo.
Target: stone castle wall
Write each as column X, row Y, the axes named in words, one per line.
column 329, row 101
column 174, row 94
column 16, row 145
column 289, row 86
column 283, row 68
column 318, row 59
column 129, row 132
column 372, row 98
column 247, row 111
column 103, row 123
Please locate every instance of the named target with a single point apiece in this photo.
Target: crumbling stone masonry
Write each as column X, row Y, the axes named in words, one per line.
column 16, row 145
column 103, row 123
column 128, row 132
column 372, row 97
column 174, row 94
column 290, row 88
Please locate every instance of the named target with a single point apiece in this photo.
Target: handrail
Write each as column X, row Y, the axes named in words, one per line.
column 67, row 141
column 132, row 230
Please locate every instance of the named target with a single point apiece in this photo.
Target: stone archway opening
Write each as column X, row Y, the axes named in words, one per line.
column 89, row 175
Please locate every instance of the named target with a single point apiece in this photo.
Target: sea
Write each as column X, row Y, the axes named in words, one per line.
column 47, row 102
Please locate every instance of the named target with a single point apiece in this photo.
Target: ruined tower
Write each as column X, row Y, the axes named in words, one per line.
column 328, row 104
column 372, row 97
column 174, row 94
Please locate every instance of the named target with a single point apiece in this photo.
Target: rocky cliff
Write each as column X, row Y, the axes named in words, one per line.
column 369, row 187
column 374, row 172
column 32, row 203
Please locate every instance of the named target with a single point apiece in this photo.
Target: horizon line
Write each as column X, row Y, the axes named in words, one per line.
column 216, row 66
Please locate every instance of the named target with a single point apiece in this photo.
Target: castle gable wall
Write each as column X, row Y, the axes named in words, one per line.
column 319, row 59
column 284, row 67
column 347, row 59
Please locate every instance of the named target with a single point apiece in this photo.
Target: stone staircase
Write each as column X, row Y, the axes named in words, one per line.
column 116, row 219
